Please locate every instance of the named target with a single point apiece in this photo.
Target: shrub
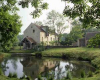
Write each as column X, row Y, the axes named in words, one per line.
column 28, row 78
column 39, row 77
column 0, row 72
column 38, row 54
column 69, row 77
column 51, row 78
column 14, row 75
column 90, row 74
column 94, row 42
column 10, row 74
column 82, row 74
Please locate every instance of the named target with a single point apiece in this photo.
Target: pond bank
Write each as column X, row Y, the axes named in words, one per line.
column 91, row 54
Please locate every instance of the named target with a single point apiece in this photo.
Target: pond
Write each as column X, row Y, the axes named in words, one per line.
column 31, row 66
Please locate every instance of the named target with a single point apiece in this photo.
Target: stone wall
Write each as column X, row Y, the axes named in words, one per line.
column 33, row 32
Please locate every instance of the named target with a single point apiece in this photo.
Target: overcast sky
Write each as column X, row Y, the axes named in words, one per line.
column 26, row 18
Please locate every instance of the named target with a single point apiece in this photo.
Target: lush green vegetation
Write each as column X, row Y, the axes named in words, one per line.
column 10, row 24
column 18, row 49
column 95, row 41
column 75, row 34
column 2, row 77
column 92, row 78
column 88, row 14
column 22, row 51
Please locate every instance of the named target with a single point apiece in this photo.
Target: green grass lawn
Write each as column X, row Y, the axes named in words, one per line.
column 18, row 50
column 22, row 51
column 60, row 51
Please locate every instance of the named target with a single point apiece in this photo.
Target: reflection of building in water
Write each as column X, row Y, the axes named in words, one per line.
column 33, row 67
column 1, row 58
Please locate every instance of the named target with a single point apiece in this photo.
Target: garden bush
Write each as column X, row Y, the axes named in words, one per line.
column 82, row 74
column 94, row 42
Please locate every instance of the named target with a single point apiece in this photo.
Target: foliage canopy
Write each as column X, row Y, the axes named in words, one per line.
column 94, row 42
column 10, row 23
column 38, row 5
column 87, row 10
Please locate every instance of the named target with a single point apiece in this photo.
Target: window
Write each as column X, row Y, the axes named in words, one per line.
column 42, row 38
column 33, row 30
column 51, row 38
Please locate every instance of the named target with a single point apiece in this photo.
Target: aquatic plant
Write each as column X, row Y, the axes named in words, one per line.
column 39, row 77
column 69, row 77
column 82, row 74
column 14, row 75
column 51, row 78
column 38, row 54
column 10, row 74
column 1, row 72
column 90, row 74
column 28, row 78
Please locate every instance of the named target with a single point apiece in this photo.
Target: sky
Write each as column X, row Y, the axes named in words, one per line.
column 26, row 18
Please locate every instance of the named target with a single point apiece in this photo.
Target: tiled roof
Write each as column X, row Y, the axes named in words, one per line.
column 30, row 39
column 90, row 35
column 40, row 27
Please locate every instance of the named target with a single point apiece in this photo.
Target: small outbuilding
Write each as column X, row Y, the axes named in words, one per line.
column 28, row 43
column 84, row 41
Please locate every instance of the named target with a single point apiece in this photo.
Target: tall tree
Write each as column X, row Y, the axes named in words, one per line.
column 39, row 23
column 77, row 30
column 74, row 34
column 10, row 23
column 56, row 23
column 87, row 10
column 52, row 18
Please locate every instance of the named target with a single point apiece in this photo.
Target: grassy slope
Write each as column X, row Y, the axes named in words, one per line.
column 60, row 51
column 85, row 53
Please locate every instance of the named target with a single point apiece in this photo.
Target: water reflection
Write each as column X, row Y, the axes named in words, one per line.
column 30, row 66
column 12, row 65
column 33, row 67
